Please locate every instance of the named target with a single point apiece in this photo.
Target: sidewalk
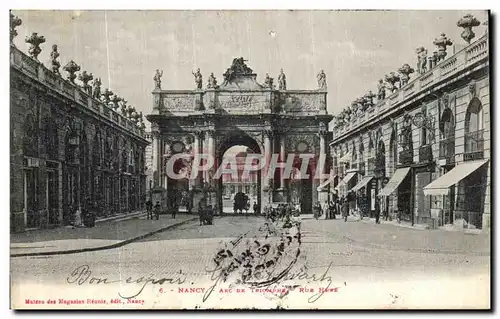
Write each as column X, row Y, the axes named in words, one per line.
column 105, row 235
column 385, row 236
column 395, row 223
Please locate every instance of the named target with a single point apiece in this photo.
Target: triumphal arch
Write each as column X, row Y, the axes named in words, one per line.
column 240, row 111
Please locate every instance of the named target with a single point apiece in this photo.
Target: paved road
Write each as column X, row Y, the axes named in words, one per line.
column 375, row 266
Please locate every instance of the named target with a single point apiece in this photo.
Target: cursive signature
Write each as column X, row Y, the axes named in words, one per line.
column 83, row 275
column 217, row 275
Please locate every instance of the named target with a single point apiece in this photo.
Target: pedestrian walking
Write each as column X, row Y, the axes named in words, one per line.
column 157, row 210
column 175, row 207
column 149, row 209
column 345, row 210
column 377, row 211
column 331, row 210
column 189, row 205
column 256, row 209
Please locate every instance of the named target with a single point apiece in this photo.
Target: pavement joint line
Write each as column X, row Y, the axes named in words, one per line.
column 105, row 247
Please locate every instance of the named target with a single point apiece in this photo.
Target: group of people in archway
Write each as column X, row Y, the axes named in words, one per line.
column 242, row 203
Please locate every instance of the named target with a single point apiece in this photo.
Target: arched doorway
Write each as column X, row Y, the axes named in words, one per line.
column 237, row 179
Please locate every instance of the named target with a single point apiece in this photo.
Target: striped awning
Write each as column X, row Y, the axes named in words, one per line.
column 441, row 186
column 347, row 178
column 396, row 179
column 324, row 184
column 362, row 183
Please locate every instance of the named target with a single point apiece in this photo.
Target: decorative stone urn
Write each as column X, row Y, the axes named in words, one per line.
column 71, row 68
column 441, row 43
column 405, row 72
column 468, row 22
column 35, row 40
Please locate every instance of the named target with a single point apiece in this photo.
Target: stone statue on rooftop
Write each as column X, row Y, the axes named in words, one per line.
column 198, row 79
column 321, row 80
column 282, row 80
column 157, row 79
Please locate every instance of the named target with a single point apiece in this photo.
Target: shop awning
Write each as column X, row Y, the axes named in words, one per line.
column 441, row 186
column 396, row 179
column 362, row 183
column 347, row 178
column 346, row 158
column 324, row 184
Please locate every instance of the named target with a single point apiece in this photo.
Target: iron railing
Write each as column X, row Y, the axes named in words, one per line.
column 474, row 145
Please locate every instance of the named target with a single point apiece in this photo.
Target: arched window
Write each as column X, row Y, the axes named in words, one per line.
column 51, row 139
column 361, row 157
column 124, row 157
column 447, row 124
column 371, row 157
column 84, row 149
column 380, row 159
column 108, row 153
column 97, row 150
column 115, row 161
column 71, row 143
column 474, row 127
column 30, row 137
column 474, row 116
column 393, row 149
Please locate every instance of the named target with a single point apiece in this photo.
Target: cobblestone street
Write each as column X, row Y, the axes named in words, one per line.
column 351, row 252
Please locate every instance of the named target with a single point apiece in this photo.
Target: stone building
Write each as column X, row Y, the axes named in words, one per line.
column 422, row 145
column 73, row 146
column 273, row 122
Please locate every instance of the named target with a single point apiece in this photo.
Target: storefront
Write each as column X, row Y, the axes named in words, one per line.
column 365, row 195
column 469, row 178
column 400, row 183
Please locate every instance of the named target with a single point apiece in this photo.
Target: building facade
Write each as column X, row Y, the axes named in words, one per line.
column 240, row 112
column 422, row 145
column 73, row 146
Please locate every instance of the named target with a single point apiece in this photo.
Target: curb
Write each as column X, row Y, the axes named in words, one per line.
column 120, row 218
column 112, row 246
column 369, row 221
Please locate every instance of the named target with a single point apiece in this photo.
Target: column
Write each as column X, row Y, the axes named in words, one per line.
column 156, row 158
column 266, row 191
column 197, row 151
column 163, row 163
column 323, row 193
column 210, row 149
column 283, row 159
column 211, row 171
column 267, row 154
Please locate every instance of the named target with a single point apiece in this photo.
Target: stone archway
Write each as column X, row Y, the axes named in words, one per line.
column 240, row 111
column 224, row 144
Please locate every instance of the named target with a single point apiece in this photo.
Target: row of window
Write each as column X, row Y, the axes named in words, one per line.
column 76, row 147
column 474, row 140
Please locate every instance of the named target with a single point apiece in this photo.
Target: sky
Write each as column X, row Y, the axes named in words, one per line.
column 354, row 48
